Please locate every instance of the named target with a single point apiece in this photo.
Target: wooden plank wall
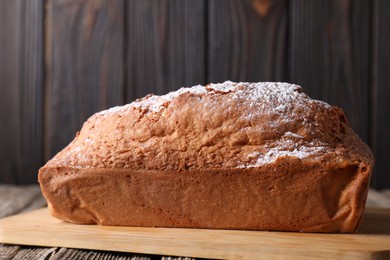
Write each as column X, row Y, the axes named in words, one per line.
column 247, row 41
column 84, row 65
column 165, row 43
column 61, row 61
column 380, row 93
column 21, row 90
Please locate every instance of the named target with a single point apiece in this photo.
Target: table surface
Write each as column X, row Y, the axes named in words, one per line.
column 18, row 199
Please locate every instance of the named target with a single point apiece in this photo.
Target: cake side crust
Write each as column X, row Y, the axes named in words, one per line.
column 286, row 196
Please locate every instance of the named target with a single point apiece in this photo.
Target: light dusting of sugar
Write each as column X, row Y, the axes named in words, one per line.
column 273, row 97
column 198, row 90
column 253, row 154
column 281, row 108
column 114, row 110
column 260, row 97
column 275, row 153
column 285, row 148
column 152, row 103
column 277, row 94
column 156, row 103
column 224, row 87
column 290, row 134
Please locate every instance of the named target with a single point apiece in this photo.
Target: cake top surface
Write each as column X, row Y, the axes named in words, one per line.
column 273, row 95
column 225, row 125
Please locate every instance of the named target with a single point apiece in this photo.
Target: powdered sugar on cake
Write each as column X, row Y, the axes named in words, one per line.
column 274, row 153
column 275, row 96
column 224, row 87
column 271, row 97
column 154, row 103
column 285, row 148
column 114, row 110
column 285, row 100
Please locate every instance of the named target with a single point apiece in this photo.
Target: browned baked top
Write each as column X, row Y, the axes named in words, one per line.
column 219, row 126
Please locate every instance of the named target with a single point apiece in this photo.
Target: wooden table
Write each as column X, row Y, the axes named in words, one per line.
column 18, row 199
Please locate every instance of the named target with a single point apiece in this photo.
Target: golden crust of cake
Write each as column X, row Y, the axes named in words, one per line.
column 219, row 126
column 238, row 135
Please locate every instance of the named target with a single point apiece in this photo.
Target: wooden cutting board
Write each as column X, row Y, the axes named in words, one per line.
column 38, row 228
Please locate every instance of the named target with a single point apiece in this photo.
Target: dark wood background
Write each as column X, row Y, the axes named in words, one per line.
column 63, row 60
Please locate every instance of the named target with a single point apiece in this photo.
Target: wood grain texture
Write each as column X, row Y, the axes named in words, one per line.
column 330, row 55
column 84, row 65
column 9, row 252
column 165, row 46
column 380, row 135
column 21, row 90
column 247, row 40
column 373, row 243
column 15, row 199
column 15, row 252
